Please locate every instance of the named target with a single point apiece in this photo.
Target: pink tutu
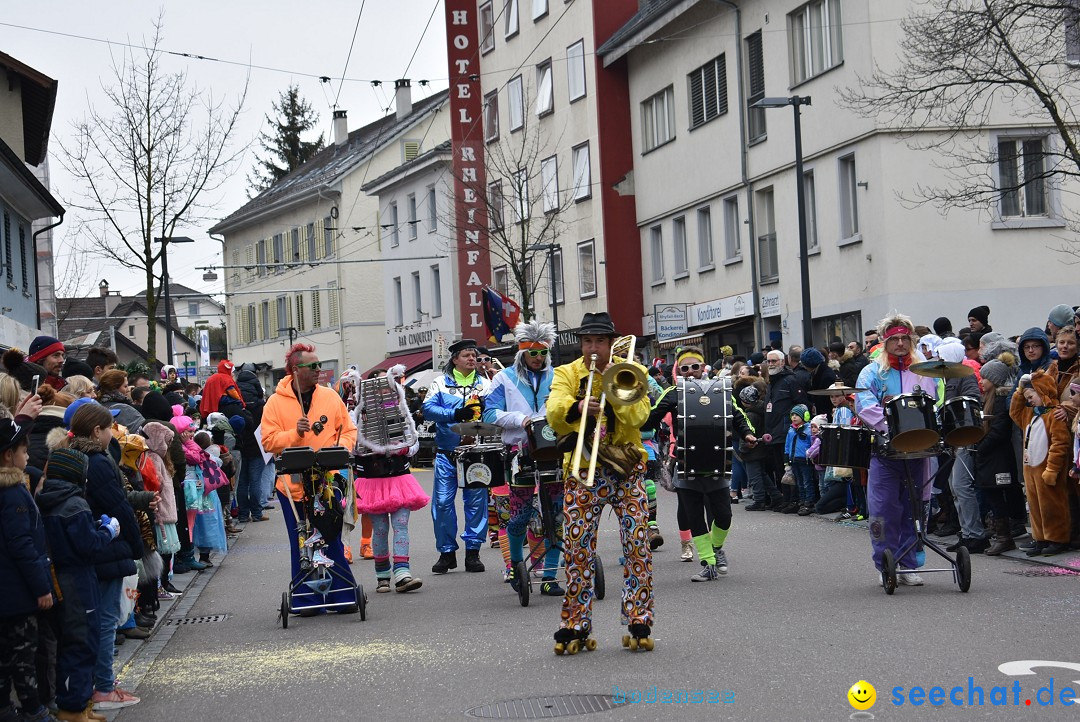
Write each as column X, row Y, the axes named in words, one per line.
column 388, row 494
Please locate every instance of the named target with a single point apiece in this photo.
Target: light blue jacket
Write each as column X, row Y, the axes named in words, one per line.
column 511, row 400
column 444, row 397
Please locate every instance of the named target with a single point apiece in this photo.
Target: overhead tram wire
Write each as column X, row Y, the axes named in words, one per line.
column 348, row 57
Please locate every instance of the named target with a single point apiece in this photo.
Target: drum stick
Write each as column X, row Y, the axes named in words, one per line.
column 299, row 399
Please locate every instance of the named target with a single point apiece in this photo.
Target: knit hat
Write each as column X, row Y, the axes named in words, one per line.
column 22, row 369
column 237, row 423
column 75, row 367
column 942, row 326
column 154, row 406
column 43, row 346
column 757, row 358
column 811, row 358
column 750, row 394
column 837, row 347
column 1061, row 316
column 800, row 410
column 997, row 373
column 67, row 465
column 980, row 314
column 819, row 420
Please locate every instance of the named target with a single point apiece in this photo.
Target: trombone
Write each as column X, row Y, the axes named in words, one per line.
column 622, row 384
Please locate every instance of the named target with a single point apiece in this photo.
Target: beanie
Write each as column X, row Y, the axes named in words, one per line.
column 837, row 347
column 75, row 367
column 942, row 326
column 237, row 423
column 750, row 394
column 43, row 346
column 811, row 358
column 67, row 465
column 997, row 373
column 155, row 407
column 1061, row 316
column 757, row 358
column 800, row 410
column 980, row 314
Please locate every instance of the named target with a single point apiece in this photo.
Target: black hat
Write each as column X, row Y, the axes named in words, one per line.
column 458, row 346
column 483, row 351
column 156, row 408
column 75, row 367
column 22, row 369
column 12, row 434
column 596, row 324
column 980, row 314
column 942, row 326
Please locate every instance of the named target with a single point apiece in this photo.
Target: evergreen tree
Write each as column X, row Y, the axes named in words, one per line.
column 285, row 149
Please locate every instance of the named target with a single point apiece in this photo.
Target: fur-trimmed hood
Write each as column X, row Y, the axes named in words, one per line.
column 10, row 476
column 158, row 437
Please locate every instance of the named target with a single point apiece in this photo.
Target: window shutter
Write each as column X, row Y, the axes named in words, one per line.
column 757, row 64
column 272, row 332
column 332, row 300
column 300, row 312
column 250, row 256
column 697, row 101
column 721, row 85
column 319, row 247
column 412, row 149
column 303, row 250
column 708, row 87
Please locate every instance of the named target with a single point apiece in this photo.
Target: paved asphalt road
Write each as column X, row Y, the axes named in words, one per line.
column 798, row 620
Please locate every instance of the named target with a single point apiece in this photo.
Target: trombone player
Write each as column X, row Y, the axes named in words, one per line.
column 607, row 467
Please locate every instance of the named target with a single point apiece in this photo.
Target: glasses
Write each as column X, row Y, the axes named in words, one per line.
column 314, row 365
column 534, row 352
column 689, row 367
column 775, row 360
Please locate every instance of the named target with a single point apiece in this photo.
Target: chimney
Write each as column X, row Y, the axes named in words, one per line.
column 103, row 288
column 403, row 97
column 341, row 128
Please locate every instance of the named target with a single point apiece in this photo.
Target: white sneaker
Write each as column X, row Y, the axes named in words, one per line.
column 909, row 580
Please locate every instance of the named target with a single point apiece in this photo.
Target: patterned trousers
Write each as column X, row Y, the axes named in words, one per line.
column 18, row 646
column 582, row 509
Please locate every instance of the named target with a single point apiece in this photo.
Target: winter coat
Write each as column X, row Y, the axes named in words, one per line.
column 129, row 416
column 963, row 386
column 247, row 443
column 797, row 443
column 24, row 562
column 786, row 390
column 995, row 459
column 279, row 419
column 1030, row 367
column 850, row 366
column 220, row 386
column 251, row 391
column 749, row 420
column 75, row 537
column 105, row 494
column 159, row 437
column 51, row 417
column 444, row 397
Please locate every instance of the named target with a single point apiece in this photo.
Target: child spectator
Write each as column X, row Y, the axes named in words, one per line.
column 795, row 448
column 24, row 575
column 75, row 540
column 995, row 459
column 1047, row 446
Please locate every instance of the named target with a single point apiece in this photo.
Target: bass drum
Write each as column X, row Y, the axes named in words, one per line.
column 845, row 446
column 480, row 466
column 961, row 421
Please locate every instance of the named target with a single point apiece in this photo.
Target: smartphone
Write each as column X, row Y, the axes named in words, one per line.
column 36, row 381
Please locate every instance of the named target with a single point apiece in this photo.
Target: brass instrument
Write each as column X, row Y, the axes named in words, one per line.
column 623, row 383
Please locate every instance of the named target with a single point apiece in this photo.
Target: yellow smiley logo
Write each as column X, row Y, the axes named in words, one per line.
column 862, row 695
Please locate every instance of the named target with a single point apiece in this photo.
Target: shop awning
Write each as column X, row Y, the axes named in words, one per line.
column 411, row 360
column 681, row 341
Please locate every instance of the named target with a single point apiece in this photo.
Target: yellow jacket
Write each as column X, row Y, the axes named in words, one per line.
column 563, row 416
column 279, row 419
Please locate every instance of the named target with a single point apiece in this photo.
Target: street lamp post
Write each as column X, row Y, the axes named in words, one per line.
column 796, row 101
column 550, row 249
column 165, row 282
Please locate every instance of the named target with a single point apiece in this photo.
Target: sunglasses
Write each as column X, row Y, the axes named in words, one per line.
column 689, row 367
column 314, row 365
column 484, row 359
column 534, row 352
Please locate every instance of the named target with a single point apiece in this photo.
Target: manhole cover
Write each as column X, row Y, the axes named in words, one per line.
column 195, row 620
column 546, row 707
column 1044, row 572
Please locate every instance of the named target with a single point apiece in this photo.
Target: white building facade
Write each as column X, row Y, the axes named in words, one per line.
column 716, row 195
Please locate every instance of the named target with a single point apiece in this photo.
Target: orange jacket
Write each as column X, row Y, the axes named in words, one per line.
column 279, row 419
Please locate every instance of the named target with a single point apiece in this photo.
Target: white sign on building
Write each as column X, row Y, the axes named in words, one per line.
column 770, row 304
column 721, row 309
column 670, row 320
column 440, row 350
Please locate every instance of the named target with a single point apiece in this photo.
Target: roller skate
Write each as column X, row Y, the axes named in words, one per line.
column 315, row 540
column 319, row 559
column 638, row 638
column 572, row 641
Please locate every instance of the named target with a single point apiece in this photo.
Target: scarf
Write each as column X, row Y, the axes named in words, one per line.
column 900, row 363
column 463, row 379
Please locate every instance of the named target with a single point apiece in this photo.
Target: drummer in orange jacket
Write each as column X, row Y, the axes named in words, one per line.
column 303, row 413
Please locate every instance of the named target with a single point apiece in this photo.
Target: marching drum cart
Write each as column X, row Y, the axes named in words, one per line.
column 914, row 433
column 326, row 475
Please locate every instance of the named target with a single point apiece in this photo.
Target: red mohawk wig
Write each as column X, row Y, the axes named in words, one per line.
column 293, row 355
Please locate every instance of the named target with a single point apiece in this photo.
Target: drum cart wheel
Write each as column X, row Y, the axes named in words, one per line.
column 888, row 572
column 361, row 602
column 963, row 569
column 598, row 577
column 524, row 584
column 284, row 611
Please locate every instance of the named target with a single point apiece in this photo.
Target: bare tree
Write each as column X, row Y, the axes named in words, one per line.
column 963, row 66
column 147, row 161
column 524, row 208
column 74, row 281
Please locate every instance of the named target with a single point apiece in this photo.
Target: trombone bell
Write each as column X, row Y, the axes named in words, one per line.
column 624, row 384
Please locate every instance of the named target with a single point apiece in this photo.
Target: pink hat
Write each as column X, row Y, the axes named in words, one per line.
column 182, row 423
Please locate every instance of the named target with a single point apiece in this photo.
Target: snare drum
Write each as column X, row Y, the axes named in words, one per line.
column 961, row 421
column 542, row 440
column 913, row 426
column 846, row 446
column 480, row 466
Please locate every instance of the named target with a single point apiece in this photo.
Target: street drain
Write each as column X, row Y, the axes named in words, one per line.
column 1044, row 572
column 546, row 707
column 195, row 620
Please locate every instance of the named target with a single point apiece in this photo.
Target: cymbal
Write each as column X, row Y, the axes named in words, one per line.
column 476, row 428
column 942, row 369
column 835, row 390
